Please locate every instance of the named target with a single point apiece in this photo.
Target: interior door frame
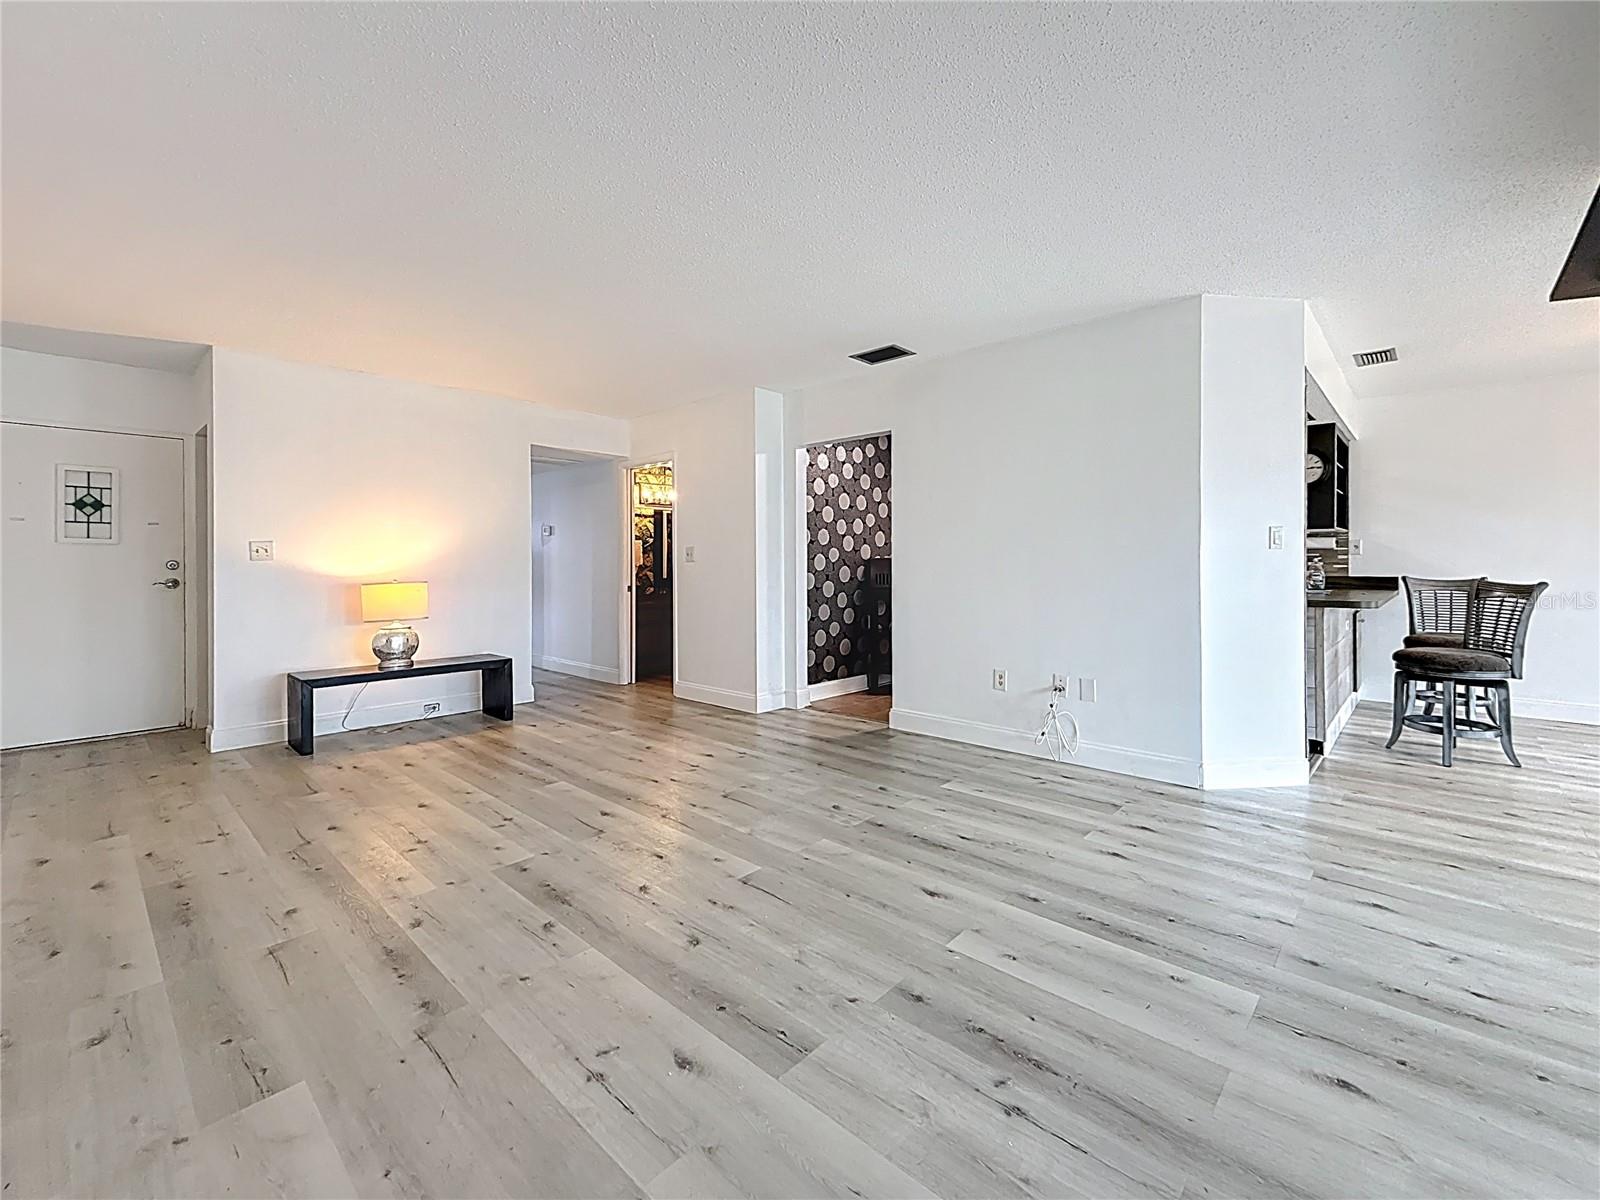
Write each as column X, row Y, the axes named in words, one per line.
column 191, row 663
column 626, row 652
column 800, row 605
column 198, row 640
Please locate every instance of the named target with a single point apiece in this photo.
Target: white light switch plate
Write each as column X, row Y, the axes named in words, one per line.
column 1086, row 691
column 260, row 551
column 1274, row 537
column 688, row 554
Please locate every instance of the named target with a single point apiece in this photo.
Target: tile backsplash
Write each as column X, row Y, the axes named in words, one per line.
column 1334, row 549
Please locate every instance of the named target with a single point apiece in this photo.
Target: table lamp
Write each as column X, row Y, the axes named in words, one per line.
column 395, row 603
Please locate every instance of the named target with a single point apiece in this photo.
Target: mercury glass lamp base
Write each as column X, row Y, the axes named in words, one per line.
column 395, row 647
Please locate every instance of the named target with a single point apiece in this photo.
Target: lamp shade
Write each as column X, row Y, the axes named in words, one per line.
column 394, row 601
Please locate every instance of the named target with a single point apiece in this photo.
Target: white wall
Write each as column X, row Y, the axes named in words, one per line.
column 82, row 393
column 1095, row 502
column 1047, row 517
column 577, row 570
column 1252, row 598
column 359, row 478
column 712, row 445
column 1501, row 480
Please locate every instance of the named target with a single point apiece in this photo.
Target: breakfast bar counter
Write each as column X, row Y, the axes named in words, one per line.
column 1333, row 652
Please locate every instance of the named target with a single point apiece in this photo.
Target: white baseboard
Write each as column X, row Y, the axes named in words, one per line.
column 835, row 687
column 1118, row 759
column 582, row 670
column 368, row 716
column 721, row 697
column 772, row 701
column 1291, row 771
column 1534, row 709
column 1554, row 710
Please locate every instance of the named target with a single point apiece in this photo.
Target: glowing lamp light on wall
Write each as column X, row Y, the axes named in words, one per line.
column 389, row 538
column 395, row 603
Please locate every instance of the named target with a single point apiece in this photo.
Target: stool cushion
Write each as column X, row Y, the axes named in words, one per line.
column 1433, row 639
column 1448, row 660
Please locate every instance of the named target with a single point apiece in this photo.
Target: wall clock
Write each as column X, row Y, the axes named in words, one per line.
column 1316, row 467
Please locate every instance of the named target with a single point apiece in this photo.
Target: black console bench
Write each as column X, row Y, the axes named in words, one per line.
column 302, row 685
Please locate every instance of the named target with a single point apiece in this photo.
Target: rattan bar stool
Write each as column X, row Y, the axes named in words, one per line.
column 1489, row 655
column 1437, row 610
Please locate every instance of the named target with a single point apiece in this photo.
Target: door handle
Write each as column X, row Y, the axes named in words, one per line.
column 168, row 583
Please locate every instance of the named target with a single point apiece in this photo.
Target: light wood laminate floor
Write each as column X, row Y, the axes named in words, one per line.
column 630, row 946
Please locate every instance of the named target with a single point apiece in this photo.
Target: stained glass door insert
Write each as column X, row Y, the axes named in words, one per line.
column 88, row 505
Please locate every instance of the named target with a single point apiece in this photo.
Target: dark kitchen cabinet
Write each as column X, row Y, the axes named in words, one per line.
column 1328, row 497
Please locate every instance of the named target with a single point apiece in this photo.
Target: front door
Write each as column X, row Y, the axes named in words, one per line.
column 91, row 633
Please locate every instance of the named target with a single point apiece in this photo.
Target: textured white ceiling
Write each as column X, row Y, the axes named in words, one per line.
column 624, row 208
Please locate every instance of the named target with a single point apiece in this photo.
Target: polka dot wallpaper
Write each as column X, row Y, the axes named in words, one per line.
column 848, row 505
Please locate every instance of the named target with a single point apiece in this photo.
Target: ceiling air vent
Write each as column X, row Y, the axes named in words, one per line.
column 882, row 354
column 1372, row 358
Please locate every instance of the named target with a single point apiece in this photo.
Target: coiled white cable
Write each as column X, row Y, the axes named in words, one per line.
column 1061, row 742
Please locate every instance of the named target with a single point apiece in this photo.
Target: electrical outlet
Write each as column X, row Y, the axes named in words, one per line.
column 429, row 709
column 260, row 551
column 999, row 680
column 1086, row 691
column 547, row 530
column 1274, row 537
column 688, row 554
column 1060, row 683
column 1355, row 546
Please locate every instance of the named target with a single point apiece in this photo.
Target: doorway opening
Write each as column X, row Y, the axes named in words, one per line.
column 652, row 499
column 577, row 510
column 848, row 577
